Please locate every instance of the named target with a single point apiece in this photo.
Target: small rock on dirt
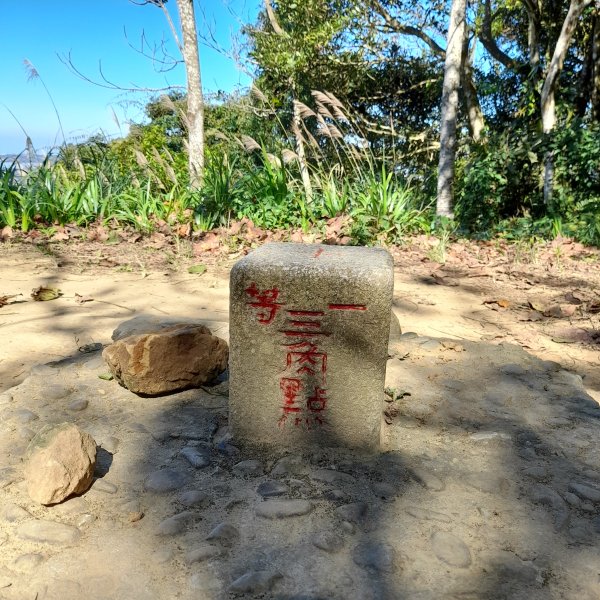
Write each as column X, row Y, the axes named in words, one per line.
column 254, row 582
column 48, row 532
column 328, row 541
column 281, row 509
column 176, row 358
column 377, row 556
column 60, row 462
column 165, row 480
column 450, row 549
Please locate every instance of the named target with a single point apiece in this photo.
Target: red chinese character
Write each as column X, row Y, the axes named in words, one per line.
column 308, row 359
column 290, row 387
column 303, row 320
column 265, row 303
column 347, row 307
column 317, row 402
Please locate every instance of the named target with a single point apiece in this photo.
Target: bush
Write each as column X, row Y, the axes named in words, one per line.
column 500, row 183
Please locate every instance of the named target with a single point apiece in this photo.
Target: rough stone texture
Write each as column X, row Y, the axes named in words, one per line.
column 450, row 549
column 320, row 374
column 281, row 509
column 175, row 358
column 143, row 324
column 60, row 462
column 165, row 480
column 48, row 532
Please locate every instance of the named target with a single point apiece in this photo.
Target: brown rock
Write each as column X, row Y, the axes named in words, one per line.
column 176, row 358
column 143, row 324
column 60, row 462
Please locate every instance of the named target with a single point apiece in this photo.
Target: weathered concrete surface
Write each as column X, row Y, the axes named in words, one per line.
column 309, row 329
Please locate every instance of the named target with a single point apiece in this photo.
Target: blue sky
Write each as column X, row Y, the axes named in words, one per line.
column 93, row 31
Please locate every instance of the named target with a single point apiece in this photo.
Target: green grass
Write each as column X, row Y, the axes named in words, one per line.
column 137, row 184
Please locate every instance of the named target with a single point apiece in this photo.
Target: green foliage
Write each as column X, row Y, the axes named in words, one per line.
column 501, row 184
column 385, row 208
column 499, row 179
column 335, row 193
column 220, row 188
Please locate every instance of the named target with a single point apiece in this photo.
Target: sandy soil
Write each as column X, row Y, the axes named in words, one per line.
column 487, row 485
column 544, row 298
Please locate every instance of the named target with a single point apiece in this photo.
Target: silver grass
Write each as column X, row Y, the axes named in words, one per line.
column 141, row 160
column 333, row 101
column 159, row 159
column 170, row 173
column 323, row 110
column 334, row 132
column 289, row 156
column 254, row 91
column 250, row 144
column 322, row 126
column 274, row 160
column 218, row 135
column 320, row 97
column 303, row 110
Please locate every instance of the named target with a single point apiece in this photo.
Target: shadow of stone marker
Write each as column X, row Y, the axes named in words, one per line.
column 309, row 329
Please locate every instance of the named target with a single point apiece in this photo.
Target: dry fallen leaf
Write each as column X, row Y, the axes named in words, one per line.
column 502, row 302
column 558, row 311
column 453, row 346
column 444, row 280
column 573, row 299
column 81, row 299
column 88, row 348
column 537, row 306
column 43, row 294
column 4, row 300
column 60, row 236
column 560, row 340
column 553, row 311
column 390, row 413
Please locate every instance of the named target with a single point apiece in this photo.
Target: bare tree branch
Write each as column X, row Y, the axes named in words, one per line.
column 399, row 27
column 162, row 5
column 489, row 43
column 273, row 19
column 168, row 62
column 106, row 83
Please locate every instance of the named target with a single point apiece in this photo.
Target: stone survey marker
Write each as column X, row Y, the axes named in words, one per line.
column 309, row 328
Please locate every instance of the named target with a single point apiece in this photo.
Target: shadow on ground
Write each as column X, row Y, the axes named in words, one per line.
column 487, row 487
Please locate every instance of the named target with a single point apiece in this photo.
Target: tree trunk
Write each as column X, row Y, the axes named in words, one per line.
column 452, row 72
column 195, row 100
column 548, row 101
column 533, row 36
column 596, row 69
column 474, row 113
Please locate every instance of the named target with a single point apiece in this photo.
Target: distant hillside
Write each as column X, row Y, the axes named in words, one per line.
column 24, row 161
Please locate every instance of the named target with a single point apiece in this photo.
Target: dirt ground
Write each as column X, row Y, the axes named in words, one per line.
column 487, row 485
column 544, row 297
